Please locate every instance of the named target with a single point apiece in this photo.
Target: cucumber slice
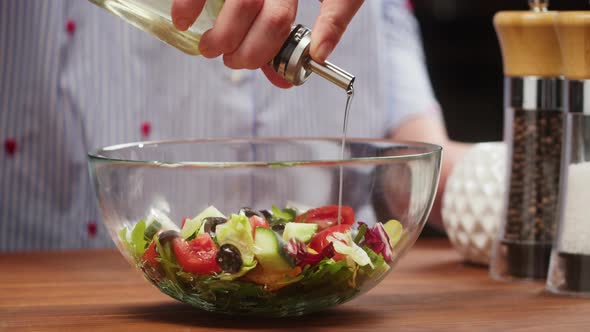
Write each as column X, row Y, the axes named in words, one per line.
column 156, row 221
column 300, row 231
column 191, row 226
column 269, row 252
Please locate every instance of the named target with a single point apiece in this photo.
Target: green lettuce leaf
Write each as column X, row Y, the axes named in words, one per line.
column 380, row 266
column 328, row 275
column 361, row 233
column 238, row 232
column 123, row 237
column 135, row 240
column 282, row 216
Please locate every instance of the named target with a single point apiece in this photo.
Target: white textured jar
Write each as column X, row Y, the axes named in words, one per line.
column 472, row 201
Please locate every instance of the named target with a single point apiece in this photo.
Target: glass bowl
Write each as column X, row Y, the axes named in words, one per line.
column 253, row 226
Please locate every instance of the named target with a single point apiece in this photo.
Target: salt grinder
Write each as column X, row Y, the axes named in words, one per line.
column 569, row 270
column 533, row 133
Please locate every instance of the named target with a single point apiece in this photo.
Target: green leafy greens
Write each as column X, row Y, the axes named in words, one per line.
column 326, row 283
column 137, row 242
column 282, row 216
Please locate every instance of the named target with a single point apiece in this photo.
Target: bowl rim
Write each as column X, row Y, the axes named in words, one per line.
column 431, row 149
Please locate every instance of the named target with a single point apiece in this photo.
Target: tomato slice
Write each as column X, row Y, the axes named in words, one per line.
column 150, row 255
column 197, row 256
column 327, row 216
column 320, row 241
column 256, row 221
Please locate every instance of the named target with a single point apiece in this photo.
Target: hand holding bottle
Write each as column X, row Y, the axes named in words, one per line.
column 249, row 33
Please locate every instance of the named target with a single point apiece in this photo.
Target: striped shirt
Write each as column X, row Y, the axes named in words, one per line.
column 74, row 78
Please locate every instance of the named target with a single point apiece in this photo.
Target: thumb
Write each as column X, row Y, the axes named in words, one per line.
column 335, row 15
column 185, row 12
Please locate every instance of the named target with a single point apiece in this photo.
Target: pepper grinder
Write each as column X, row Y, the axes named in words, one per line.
column 533, row 113
column 569, row 270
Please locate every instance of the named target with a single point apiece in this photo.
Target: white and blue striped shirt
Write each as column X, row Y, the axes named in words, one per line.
column 74, row 78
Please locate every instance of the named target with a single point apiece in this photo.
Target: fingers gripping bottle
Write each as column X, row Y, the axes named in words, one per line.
column 293, row 61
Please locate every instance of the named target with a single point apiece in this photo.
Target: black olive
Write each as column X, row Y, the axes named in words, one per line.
column 229, row 258
column 267, row 214
column 279, row 228
column 248, row 212
column 211, row 224
column 167, row 236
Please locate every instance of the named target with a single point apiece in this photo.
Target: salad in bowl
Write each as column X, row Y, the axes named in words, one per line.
column 260, row 261
column 176, row 210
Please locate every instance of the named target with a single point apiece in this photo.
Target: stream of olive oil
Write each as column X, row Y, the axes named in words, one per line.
column 349, row 97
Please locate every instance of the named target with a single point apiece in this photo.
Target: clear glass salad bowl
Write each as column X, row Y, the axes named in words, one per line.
column 254, row 226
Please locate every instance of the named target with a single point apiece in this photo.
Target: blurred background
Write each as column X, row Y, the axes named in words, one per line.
column 465, row 64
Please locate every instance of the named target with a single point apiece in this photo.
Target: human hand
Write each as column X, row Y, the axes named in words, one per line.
column 249, row 33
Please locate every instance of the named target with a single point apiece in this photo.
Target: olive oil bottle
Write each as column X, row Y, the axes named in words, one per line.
column 153, row 16
column 293, row 61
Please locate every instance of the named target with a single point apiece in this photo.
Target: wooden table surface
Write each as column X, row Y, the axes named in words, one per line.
column 430, row 290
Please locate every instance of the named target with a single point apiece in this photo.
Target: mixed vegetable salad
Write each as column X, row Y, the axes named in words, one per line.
column 279, row 261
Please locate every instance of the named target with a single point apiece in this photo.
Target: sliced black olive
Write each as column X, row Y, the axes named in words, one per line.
column 229, row 258
column 248, row 212
column 166, row 237
column 211, row 224
column 267, row 214
column 279, row 228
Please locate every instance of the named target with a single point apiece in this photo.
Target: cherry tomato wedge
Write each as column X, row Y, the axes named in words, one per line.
column 320, row 241
column 150, row 255
column 327, row 216
column 197, row 256
column 256, row 221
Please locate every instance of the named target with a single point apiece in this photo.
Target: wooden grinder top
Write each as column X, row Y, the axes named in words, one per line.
column 573, row 29
column 529, row 43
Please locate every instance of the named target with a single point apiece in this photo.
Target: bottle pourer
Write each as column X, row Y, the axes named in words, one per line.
column 294, row 63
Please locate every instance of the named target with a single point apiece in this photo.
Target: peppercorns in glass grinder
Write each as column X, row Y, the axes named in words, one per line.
column 533, row 131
